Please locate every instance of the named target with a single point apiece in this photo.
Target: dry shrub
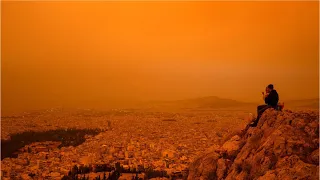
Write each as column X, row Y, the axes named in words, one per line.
column 246, row 166
column 212, row 175
column 238, row 168
column 254, row 140
column 274, row 160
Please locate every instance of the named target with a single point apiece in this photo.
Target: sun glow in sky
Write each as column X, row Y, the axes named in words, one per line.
column 95, row 54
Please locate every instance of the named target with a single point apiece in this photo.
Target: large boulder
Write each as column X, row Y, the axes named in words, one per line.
column 205, row 167
column 232, row 146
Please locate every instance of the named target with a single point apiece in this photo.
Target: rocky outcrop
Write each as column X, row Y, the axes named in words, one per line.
column 284, row 145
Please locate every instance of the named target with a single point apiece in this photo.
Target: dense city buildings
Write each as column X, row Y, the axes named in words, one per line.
column 161, row 141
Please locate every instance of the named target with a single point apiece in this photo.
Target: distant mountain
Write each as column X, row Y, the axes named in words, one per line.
column 202, row 102
column 211, row 102
column 217, row 102
column 304, row 103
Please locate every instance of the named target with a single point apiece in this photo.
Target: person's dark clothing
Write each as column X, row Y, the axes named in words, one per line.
column 272, row 99
column 271, row 102
column 260, row 110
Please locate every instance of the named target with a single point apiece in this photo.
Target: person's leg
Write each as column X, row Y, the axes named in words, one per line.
column 264, row 109
column 260, row 110
column 260, row 107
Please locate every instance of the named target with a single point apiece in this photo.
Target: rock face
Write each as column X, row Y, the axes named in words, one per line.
column 284, row 145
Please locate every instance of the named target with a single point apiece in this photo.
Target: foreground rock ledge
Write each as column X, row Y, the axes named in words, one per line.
column 284, row 145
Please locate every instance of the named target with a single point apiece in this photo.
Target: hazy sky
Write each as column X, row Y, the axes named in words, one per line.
column 82, row 54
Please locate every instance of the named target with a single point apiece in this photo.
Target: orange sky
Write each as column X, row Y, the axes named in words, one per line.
column 99, row 53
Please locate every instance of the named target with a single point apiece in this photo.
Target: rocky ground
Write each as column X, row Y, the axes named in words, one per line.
column 284, row 145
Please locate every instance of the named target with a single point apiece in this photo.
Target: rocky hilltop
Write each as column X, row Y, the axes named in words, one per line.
column 284, row 145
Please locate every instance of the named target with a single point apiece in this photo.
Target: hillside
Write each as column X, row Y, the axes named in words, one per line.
column 305, row 104
column 202, row 102
column 284, row 145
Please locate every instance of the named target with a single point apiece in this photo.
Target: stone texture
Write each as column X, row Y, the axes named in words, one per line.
column 284, row 145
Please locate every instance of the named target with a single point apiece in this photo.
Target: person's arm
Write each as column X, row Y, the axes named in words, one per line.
column 267, row 98
column 264, row 95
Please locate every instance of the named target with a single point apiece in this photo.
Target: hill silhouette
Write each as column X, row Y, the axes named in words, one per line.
column 303, row 103
column 284, row 145
column 201, row 102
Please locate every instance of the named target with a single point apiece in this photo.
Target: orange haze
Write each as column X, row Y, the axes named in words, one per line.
column 101, row 54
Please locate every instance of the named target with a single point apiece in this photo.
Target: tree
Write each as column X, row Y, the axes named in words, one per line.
column 75, row 170
column 90, row 168
column 104, row 176
column 118, row 167
column 65, row 177
column 81, row 169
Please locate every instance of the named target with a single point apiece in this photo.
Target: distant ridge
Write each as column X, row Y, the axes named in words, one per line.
column 217, row 102
column 201, row 102
column 303, row 100
column 303, row 103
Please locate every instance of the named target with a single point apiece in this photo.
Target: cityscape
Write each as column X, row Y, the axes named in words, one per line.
column 163, row 142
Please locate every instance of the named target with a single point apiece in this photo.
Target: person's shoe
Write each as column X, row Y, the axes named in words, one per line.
column 253, row 124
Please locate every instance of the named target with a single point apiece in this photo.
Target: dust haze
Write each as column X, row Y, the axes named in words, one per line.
column 113, row 54
column 159, row 90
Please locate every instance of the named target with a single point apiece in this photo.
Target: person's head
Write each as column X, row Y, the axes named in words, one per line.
column 269, row 88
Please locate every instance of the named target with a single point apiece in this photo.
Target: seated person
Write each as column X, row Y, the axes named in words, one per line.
column 271, row 99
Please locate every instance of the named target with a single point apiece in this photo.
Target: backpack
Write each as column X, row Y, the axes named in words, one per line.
column 280, row 106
